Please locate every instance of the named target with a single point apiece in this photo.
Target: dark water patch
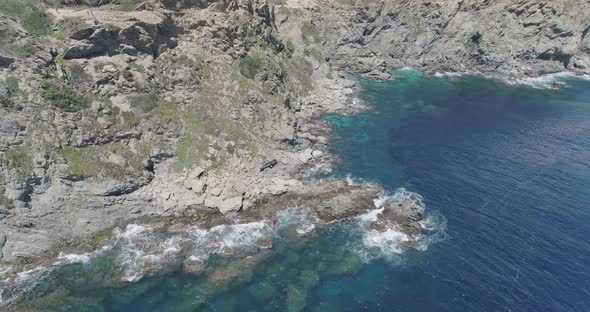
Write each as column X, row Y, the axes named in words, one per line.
column 508, row 167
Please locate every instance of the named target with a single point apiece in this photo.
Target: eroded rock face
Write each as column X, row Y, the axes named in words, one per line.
column 259, row 7
column 93, row 3
column 5, row 61
column 527, row 37
column 139, row 37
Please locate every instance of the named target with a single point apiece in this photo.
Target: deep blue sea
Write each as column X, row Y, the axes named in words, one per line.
column 504, row 173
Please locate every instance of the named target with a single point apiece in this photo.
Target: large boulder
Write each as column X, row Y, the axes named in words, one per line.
column 5, row 61
column 232, row 204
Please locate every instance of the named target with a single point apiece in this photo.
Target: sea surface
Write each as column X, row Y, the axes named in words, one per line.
column 503, row 171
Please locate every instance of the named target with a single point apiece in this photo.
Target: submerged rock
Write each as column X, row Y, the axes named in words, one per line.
column 309, row 279
column 296, row 298
column 194, row 265
column 263, row 291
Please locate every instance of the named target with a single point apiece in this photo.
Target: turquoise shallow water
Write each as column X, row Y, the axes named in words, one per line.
column 504, row 172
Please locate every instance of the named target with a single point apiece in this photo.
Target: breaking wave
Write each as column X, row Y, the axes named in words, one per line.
column 302, row 220
column 545, row 81
column 139, row 249
column 549, row 81
column 391, row 243
column 136, row 250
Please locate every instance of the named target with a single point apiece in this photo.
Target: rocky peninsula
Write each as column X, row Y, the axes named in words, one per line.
column 204, row 112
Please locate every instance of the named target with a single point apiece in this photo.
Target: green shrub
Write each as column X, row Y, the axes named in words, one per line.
column 310, row 33
column 137, row 67
column 128, row 75
column 93, row 161
column 69, row 25
column 143, row 103
column 284, row 10
column 5, row 201
column 19, row 160
column 129, row 119
column 32, row 17
column 6, row 34
column 6, row 102
column 126, row 5
column 12, row 84
column 289, row 48
column 61, row 95
column 27, row 49
column 250, row 65
column 301, row 69
column 78, row 79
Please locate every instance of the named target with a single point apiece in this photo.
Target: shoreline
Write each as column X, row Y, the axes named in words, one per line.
column 55, row 210
column 264, row 207
column 72, row 254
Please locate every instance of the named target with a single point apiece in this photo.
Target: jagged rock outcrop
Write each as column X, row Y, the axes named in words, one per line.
column 5, row 61
column 93, row 3
column 526, row 37
column 138, row 37
column 405, row 215
column 258, row 7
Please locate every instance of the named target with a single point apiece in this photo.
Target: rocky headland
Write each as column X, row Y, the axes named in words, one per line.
column 209, row 111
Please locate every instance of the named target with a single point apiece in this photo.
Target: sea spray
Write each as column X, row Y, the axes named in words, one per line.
column 138, row 249
column 392, row 242
column 303, row 220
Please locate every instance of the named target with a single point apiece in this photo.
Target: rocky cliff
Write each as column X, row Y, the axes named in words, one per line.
column 508, row 39
column 118, row 111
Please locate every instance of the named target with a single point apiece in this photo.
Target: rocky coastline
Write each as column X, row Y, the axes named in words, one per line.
column 207, row 112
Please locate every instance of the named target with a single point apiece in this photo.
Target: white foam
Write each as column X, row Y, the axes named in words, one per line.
column 371, row 216
column 447, row 74
column 305, row 229
column 434, row 229
column 352, row 181
column 322, row 167
column 387, row 242
column 548, row 81
column 74, row 258
column 237, row 235
column 381, row 200
column 543, row 82
column 392, row 242
column 349, row 180
column 29, row 274
column 138, row 249
column 131, row 231
column 5, row 270
column 172, row 245
column 400, row 195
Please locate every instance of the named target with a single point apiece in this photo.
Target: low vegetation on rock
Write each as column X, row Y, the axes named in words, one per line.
column 62, row 95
